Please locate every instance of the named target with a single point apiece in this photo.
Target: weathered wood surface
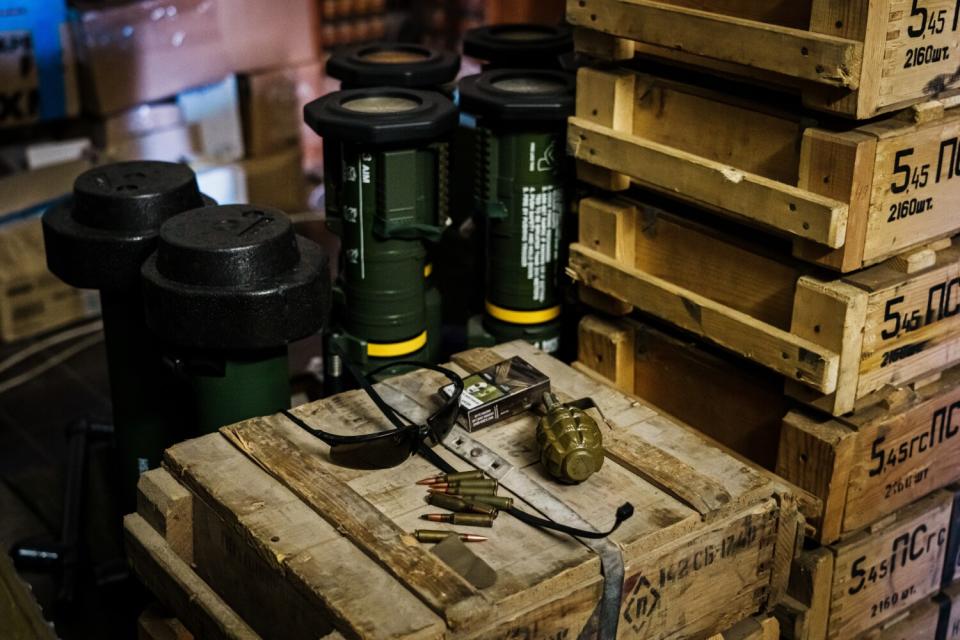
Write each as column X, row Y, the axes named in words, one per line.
column 848, row 196
column 876, row 575
column 20, row 615
column 710, row 544
column 898, row 445
column 837, row 340
column 851, row 57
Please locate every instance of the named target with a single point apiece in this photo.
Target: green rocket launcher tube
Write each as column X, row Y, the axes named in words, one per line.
column 521, row 190
column 98, row 239
column 227, row 289
column 391, row 195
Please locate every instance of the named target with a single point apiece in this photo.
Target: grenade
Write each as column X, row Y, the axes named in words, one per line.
column 571, row 445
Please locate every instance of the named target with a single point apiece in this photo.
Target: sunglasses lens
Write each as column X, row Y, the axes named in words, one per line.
column 381, row 453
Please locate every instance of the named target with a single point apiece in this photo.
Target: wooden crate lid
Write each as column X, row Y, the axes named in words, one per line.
column 337, row 520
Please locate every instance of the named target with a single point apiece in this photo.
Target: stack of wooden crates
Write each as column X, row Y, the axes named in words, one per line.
column 773, row 192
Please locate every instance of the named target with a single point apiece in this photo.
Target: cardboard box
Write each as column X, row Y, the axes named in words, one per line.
column 272, row 106
column 29, row 193
column 200, row 123
column 214, row 113
column 37, row 71
column 225, row 183
column 277, row 181
column 155, row 131
column 154, row 49
column 33, row 300
column 171, row 144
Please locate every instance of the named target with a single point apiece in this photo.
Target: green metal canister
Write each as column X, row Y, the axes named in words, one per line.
column 99, row 239
column 521, row 191
column 411, row 66
column 519, row 45
column 227, row 289
column 391, row 196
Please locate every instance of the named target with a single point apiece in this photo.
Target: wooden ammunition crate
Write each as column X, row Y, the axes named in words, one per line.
column 33, row 300
column 847, row 196
column 256, row 520
column 758, row 628
column 838, row 340
column 862, row 583
column 950, row 624
column 736, row 402
column 851, row 57
column 922, row 620
column 898, row 445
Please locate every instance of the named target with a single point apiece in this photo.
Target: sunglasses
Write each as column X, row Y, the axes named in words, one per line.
column 390, row 448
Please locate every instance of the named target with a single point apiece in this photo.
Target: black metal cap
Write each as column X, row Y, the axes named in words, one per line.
column 382, row 116
column 519, row 45
column 99, row 238
column 235, row 277
column 519, row 95
column 393, row 64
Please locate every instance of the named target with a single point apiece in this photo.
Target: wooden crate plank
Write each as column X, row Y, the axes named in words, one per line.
column 441, row 589
column 780, row 350
column 891, row 53
column 608, row 349
column 168, row 507
column 833, row 314
column 844, row 338
column 817, row 456
column 919, row 621
column 880, row 573
column 838, row 166
column 737, row 403
column 848, row 196
column 759, row 628
column 20, row 615
column 157, row 624
column 609, row 103
column 176, row 584
column 896, row 447
column 810, row 56
column 809, row 587
column 923, row 205
column 709, row 540
column 950, row 623
column 709, row 183
column 249, row 524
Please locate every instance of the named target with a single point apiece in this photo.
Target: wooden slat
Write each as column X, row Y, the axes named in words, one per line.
column 168, row 507
column 817, row 456
column 667, row 473
column 779, row 350
column 20, row 615
column 820, row 58
column 783, row 207
column 247, row 523
column 176, row 584
column 914, row 541
column 443, row 590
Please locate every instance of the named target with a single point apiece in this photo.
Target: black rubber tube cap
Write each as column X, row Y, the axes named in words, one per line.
column 393, row 64
column 99, row 238
column 382, row 116
column 519, row 45
column 235, row 277
column 519, row 95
